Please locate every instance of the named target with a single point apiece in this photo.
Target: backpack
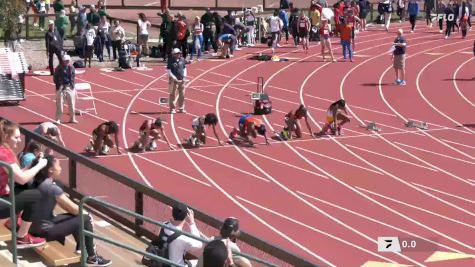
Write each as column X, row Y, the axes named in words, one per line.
column 159, row 248
column 181, row 33
column 79, row 64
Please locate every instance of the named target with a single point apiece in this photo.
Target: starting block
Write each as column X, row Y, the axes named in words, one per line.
column 372, row 127
column 417, row 124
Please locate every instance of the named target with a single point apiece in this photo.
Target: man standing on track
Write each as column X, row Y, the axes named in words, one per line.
column 64, row 77
column 399, row 58
column 177, row 74
column 54, row 45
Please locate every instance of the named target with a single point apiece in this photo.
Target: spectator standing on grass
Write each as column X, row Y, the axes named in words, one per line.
column 250, row 20
column 293, row 24
column 58, row 6
column 54, row 45
column 450, row 19
column 401, row 10
column 118, row 36
column 428, row 6
column 177, row 74
column 64, row 79
column 208, row 31
column 62, row 23
column 182, row 34
column 56, row 227
column 144, row 24
column 399, row 58
column 197, row 28
column 101, row 9
column 90, row 34
column 81, row 20
column 73, row 15
column 285, row 25
column 93, row 17
column 275, row 28
column 104, row 32
column 440, row 11
column 413, row 10
column 10, row 138
column 177, row 249
column 42, row 13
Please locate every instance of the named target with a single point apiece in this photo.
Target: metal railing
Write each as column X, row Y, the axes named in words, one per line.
column 12, row 205
column 85, row 233
column 141, row 198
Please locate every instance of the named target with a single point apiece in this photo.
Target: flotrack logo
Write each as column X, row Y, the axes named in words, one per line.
column 450, row 17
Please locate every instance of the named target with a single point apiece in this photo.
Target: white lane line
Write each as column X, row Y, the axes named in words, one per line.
column 123, row 80
column 393, row 158
column 441, row 126
column 313, row 229
column 339, row 160
column 172, row 170
column 415, row 207
column 454, row 80
column 382, row 223
column 435, row 153
column 445, row 193
column 455, row 143
column 285, row 163
column 229, row 166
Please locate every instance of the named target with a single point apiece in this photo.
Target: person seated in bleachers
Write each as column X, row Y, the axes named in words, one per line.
column 151, row 128
column 182, row 244
column 57, row 227
column 101, row 141
column 228, row 234
column 10, row 137
column 27, row 157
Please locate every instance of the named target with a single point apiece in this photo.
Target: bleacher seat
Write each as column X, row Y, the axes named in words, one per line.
column 5, row 233
column 56, row 254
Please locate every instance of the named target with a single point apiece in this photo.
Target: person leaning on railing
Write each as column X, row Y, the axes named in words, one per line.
column 24, row 198
column 54, row 45
column 56, row 227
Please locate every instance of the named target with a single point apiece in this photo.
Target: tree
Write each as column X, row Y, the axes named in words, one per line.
column 10, row 10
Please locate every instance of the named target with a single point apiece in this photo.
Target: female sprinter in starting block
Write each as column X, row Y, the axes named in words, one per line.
column 336, row 112
column 249, row 126
column 198, row 125
column 101, row 142
column 292, row 122
column 150, row 129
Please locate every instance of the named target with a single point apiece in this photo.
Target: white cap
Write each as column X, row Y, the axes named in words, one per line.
column 176, row 51
column 51, row 22
column 66, row 58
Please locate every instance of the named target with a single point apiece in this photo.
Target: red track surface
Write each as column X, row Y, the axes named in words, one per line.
column 325, row 199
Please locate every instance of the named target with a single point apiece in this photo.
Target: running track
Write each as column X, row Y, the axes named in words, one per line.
column 326, row 199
